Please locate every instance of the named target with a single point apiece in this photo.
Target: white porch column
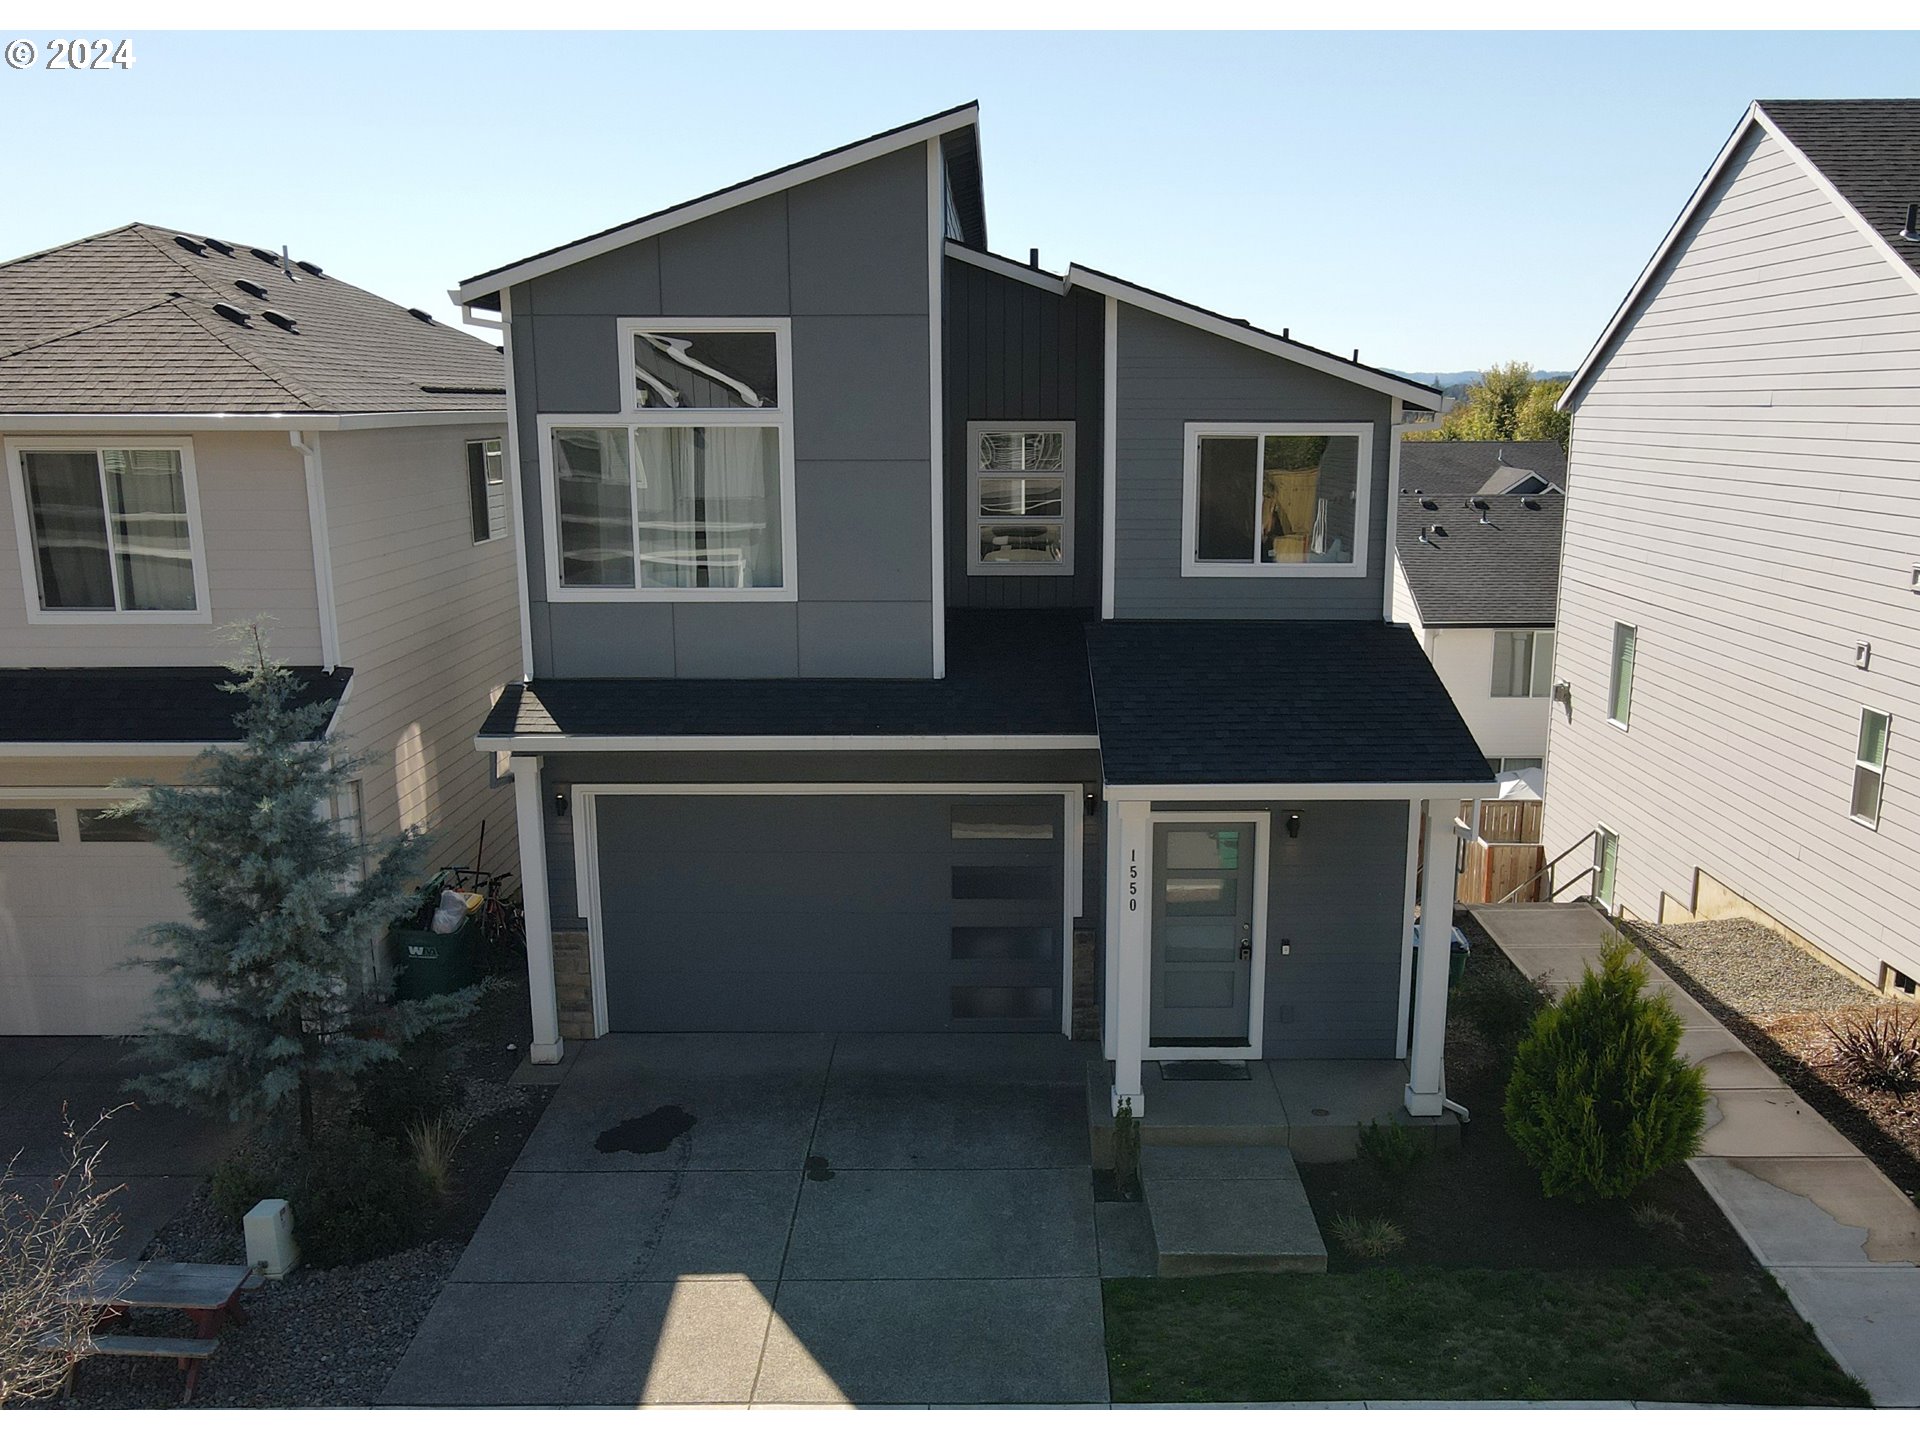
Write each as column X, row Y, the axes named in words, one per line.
column 529, row 803
column 1130, row 878
column 1425, row 1089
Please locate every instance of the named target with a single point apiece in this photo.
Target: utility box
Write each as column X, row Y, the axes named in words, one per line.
column 270, row 1246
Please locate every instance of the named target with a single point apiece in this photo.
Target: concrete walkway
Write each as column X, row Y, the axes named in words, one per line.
column 1841, row 1238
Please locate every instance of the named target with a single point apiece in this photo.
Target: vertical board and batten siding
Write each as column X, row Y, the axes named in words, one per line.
column 1168, row 374
column 1017, row 352
column 429, row 622
column 845, row 257
column 1745, row 488
column 259, row 562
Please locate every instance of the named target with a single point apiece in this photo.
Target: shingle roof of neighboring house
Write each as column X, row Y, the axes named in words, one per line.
column 1211, row 702
column 124, row 323
column 1869, row 150
column 1504, row 573
column 137, row 704
column 1009, row 672
column 1467, row 467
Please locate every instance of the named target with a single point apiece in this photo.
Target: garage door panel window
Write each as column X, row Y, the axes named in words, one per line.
column 1002, row 1002
column 1004, row 942
column 1005, row 882
column 25, row 825
column 1037, row 823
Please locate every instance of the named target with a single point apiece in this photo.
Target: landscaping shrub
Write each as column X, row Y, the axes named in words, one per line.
column 356, row 1195
column 416, row 1085
column 1878, row 1048
column 1393, row 1151
column 240, row 1182
column 1373, row 1238
column 432, row 1145
column 1599, row 1099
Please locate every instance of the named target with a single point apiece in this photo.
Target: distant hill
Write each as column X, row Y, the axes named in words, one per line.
column 1455, row 382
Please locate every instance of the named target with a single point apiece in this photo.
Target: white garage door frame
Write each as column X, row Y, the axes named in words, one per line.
column 586, row 852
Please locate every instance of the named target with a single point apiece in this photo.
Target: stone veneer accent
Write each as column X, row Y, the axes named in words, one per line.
column 1086, row 998
column 573, row 983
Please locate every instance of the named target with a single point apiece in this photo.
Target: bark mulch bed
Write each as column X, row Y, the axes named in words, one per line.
column 1778, row 1001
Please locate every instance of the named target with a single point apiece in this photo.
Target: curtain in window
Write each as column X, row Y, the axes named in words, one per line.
column 69, row 520
column 595, row 503
column 707, row 500
column 147, row 494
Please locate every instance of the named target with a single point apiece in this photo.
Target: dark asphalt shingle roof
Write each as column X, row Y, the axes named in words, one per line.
column 136, row 704
column 124, row 323
column 1504, row 573
column 1869, row 150
column 1216, row 702
column 1009, row 672
column 1461, row 467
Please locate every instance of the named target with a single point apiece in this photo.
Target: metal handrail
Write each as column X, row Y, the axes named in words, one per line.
column 1547, row 870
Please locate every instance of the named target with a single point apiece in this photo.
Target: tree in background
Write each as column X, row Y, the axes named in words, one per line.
column 1506, row 403
column 265, row 1002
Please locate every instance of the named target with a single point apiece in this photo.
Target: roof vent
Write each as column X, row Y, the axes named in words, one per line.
column 266, row 257
column 1439, row 532
column 253, row 288
column 309, row 267
column 187, row 242
column 1428, row 504
column 422, row 316
column 1033, row 257
column 1426, row 534
column 1286, row 332
column 274, row 317
column 1912, row 232
column 1531, row 503
column 220, row 245
column 230, row 312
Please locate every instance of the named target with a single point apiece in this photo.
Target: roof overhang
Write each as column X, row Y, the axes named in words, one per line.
column 1386, row 790
column 1010, row 269
column 1420, row 396
column 555, row 744
column 1756, row 117
column 77, row 423
column 483, row 289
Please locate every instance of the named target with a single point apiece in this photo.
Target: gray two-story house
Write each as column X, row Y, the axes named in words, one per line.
column 921, row 641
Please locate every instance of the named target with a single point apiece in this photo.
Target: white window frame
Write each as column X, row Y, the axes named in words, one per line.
column 17, row 446
column 633, row 417
column 977, row 522
column 1601, row 836
column 1621, row 721
column 506, row 506
column 1880, row 796
column 1533, row 663
column 1193, row 568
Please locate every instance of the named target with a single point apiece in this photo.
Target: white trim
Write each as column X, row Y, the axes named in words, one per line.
column 1178, row 310
column 1394, row 431
column 1408, row 904
column 1009, row 269
column 858, row 154
column 1385, row 790
column 936, row 291
column 322, row 546
column 535, row 744
column 1109, row 461
column 585, row 803
column 516, row 489
column 976, row 521
column 69, row 423
column 1193, row 568
column 1257, row 960
column 1880, row 769
column 201, row 614
column 530, row 813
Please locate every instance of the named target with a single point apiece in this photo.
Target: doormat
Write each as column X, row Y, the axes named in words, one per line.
column 1204, row 1070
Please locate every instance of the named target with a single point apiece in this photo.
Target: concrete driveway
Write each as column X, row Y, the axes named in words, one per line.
column 155, row 1156
column 775, row 1219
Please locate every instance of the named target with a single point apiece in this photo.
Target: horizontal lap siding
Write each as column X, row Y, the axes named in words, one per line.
column 1745, row 487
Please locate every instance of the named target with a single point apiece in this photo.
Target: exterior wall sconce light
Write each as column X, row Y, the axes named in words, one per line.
column 1563, row 696
column 1293, row 825
column 561, row 804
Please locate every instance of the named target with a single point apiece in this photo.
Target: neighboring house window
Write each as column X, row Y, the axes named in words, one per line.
column 1020, row 498
column 1504, row 763
column 1606, row 865
column 108, row 529
column 1269, row 499
column 688, row 493
column 29, row 825
column 1522, row 662
column 487, row 489
column 1870, row 766
column 106, row 827
column 1626, row 641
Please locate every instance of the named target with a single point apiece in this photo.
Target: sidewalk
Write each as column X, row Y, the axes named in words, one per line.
column 1841, row 1238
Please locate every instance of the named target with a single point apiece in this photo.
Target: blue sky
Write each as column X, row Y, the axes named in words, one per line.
column 1440, row 201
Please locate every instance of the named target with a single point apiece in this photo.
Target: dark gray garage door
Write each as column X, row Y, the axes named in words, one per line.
column 831, row 912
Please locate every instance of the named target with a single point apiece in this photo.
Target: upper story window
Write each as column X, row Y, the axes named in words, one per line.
column 1870, row 766
column 1020, row 498
column 1626, row 645
column 1268, row 499
column 108, row 529
column 1522, row 663
column 486, row 489
column 688, row 493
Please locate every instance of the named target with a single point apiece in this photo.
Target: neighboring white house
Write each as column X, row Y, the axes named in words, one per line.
column 196, row 434
column 1740, row 604
column 1477, row 559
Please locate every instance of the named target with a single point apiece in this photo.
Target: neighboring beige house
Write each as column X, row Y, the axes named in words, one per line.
column 1740, row 603
column 197, row 434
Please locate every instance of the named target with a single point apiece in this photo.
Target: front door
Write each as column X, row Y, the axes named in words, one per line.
column 1203, row 909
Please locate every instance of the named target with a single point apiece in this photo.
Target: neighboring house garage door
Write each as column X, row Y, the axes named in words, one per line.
column 75, row 891
column 831, row 912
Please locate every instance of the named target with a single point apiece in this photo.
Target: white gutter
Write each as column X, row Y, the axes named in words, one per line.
column 322, row 550
column 554, row 744
column 73, row 423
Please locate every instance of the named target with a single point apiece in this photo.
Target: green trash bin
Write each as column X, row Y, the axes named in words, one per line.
column 425, row 963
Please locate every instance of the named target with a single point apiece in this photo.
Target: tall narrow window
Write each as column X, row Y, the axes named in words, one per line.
column 1020, row 494
column 1522, row 662
column 487, row 489
column 1606, row 866
column 1626, row 640
column 1870, row 766
column 110, row 528
column 1272, row 499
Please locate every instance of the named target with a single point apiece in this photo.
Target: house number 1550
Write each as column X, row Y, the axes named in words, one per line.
column 1133, row 879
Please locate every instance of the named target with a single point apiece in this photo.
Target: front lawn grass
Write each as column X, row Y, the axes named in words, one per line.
column 1424, row 1333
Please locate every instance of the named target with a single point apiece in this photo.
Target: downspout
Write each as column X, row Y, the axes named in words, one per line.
column 322, row 549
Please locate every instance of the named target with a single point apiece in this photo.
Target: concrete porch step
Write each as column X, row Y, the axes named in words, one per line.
column 1229, row 1209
